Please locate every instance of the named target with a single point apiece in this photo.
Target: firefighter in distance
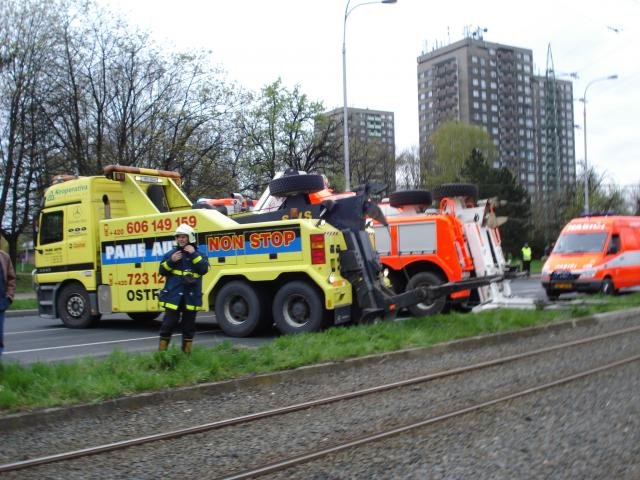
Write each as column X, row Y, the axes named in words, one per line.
column 183, row 268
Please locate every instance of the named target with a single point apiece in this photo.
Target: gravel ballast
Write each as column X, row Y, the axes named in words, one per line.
column 566, row 432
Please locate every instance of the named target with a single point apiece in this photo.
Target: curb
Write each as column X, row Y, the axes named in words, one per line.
column 25, row 419
column 20, row 313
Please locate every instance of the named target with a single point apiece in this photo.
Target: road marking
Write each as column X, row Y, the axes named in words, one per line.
column 60, row 347
column 56, row 329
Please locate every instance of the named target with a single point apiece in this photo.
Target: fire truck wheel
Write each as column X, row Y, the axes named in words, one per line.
column 74, row 307
column 237, row 307
column 298, row 307
column 143, row 317
column 426, row 279
column 466, row 306
column 410, row 197
column 295, row 184
column 456, row 190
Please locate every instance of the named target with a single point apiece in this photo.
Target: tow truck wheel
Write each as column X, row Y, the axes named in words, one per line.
column 410, row 197
column 456, row 190
column 74, row 307
column 237, row 307
column 426, row 279
column 297, row 307
column 295, row 184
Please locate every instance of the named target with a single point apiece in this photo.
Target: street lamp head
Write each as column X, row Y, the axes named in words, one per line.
column 345, row 113
column 584, row 127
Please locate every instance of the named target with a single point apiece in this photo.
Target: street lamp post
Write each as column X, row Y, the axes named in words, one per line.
column 345, row 147
column 584, row 131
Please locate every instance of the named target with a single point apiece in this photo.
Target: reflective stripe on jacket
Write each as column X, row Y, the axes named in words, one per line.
column 183, row 280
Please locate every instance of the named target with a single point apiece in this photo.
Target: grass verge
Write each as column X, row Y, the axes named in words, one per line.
column 93, row 380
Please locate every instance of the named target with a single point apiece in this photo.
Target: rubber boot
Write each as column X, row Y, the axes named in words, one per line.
column 164, row 344
column 187, row 343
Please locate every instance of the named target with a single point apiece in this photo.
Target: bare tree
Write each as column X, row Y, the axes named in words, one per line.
column 283, row 129
column 410, row 170
column 373, row 163
column 25, row 144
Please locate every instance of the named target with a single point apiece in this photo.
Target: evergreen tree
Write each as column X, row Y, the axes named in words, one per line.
column 502, row 184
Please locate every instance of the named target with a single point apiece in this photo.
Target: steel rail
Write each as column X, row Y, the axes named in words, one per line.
column 314, row 455
column 109, row 447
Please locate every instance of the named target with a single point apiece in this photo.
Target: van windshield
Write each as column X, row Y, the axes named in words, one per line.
column 580, row 243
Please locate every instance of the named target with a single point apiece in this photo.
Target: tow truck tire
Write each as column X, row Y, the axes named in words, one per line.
column 143, row 317
column 426, row 279
column 456, row 190
column 74, row 307
column 298, row 308
column 296, row 184
column 410, row 197
column 237, row 306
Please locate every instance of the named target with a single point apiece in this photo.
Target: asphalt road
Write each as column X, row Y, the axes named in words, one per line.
column 30, row 339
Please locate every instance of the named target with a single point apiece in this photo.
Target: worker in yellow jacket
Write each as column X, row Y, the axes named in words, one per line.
column 526, row 259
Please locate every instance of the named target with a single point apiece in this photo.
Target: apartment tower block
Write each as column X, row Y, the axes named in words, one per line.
column 529, row 117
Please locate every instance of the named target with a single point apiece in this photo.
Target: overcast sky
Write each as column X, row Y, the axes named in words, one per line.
column 300, row 41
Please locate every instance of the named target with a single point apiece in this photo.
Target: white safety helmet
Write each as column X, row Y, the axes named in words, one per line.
column 185, row 229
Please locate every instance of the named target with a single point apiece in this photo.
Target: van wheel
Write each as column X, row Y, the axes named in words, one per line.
column 143, row 317
column 426, row 279
column 237, row 307
column 607, row 287
column 552, row 294
column 298, row 307
column 74, row 307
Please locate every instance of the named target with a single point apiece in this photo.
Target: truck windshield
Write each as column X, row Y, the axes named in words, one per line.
column 580, row 242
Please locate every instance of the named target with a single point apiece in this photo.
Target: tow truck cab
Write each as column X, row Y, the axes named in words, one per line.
column 101, row 239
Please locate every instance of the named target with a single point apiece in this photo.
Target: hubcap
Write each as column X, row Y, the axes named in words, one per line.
column 296, row 311
column 75, row 306
column 237, row 310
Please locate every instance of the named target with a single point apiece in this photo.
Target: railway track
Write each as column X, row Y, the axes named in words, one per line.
column 269, row 465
